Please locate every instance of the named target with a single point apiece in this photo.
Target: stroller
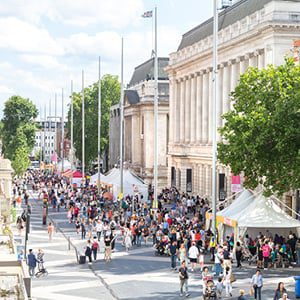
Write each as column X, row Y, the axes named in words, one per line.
column 249, row 256
column 210, row 290
column 161, row 249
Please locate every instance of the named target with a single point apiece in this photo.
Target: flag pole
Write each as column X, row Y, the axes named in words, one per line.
column 214, row 118
column 72, row 133
column 121, row 121
column 55, row 127
column 41, row 144
column 50, row 129
column 99, row 124
column 62, row 130
column 155, row 169
column 83, row 132
column 45, row 121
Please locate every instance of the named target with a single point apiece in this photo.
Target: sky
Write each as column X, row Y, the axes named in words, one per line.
column 44, row 44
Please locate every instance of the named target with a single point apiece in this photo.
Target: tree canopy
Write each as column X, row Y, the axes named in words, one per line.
column 110, row 95
column 18, row 131
column 261, row 135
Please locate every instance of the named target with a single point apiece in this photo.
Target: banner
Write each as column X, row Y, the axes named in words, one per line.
column 236, row 183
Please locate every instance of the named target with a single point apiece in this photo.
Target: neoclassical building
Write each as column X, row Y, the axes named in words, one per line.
column 251, row 33
column 139, row 121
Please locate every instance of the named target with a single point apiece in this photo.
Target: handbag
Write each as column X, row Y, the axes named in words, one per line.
column 251, row 292
column 232, row 278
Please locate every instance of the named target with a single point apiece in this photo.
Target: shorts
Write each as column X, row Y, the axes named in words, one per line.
column 193, row 260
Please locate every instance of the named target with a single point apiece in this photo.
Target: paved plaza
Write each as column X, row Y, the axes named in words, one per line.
column 138, row 274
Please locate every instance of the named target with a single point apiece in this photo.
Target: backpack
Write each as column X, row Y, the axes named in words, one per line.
column 95, row 246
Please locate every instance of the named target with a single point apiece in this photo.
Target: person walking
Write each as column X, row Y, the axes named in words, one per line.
column 227, row 282
column 95, row 247
column 182, row 253
column 99, row 229
column 193, row 256
column 238, row 254
column 88, row 250
column 266, row 254
column 31, row 261
column 83, row 229
column 50, row 231
column 173, row 253
column 183, row 278
column 279, row 291
column 218, row 261
column 40, row 259
column 257, row 284
column 297, row 248
column 19, row 225
column 127, row 240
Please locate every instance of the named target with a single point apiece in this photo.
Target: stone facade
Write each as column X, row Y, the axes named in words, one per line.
column 252, row 33
column 114, row 136
column 139, row 123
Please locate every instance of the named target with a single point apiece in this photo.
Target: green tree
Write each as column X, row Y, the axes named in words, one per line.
column 110, row 95
column 21, row 161
column 262, row 133
column 19, row 115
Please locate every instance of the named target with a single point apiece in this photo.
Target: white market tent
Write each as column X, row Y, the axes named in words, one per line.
column 250, row 214
column 132, row 184
column 263, row 214
column 238, row 205
column 94, row 178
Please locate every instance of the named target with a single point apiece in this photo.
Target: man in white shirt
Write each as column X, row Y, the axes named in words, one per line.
column 193, row 256
column 99, row 228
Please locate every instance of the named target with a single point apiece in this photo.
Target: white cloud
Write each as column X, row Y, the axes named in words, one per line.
column 6, row 90
column 21, row 36
column 81, row 13
column 45, row 61
column 106, row 43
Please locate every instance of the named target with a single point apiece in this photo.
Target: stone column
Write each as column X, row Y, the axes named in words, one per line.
column 200, row 179
column 176, row 111
column 199, row 107
column 193, row 109
column 253, row 60
column 187, row 122
column 172, row 105
column 244, row 64
column 235, row 73
column 261, row 59
column 206, row 180
column 226, row 89
column 210, row 107
column 182, row 110
column 205, row 100
column 219, row 100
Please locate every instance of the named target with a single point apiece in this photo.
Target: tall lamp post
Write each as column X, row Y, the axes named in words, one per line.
column 99, row 125
column 214, row 119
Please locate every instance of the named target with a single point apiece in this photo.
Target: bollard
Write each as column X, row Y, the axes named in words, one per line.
column 297, row 286
column 69, row 244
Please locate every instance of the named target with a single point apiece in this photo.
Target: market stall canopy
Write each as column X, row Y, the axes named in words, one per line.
column 132, row 184
column 94, row 179
column 235, row 209
column 265, row 213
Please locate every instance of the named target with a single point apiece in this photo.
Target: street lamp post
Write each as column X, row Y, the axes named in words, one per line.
column 214, row 117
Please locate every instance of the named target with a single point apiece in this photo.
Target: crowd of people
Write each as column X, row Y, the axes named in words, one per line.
column 176, row 229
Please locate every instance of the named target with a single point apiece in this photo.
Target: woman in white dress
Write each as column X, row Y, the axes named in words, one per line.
column 128, row 242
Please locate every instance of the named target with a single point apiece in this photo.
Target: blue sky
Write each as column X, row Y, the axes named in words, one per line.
column 46, row 43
